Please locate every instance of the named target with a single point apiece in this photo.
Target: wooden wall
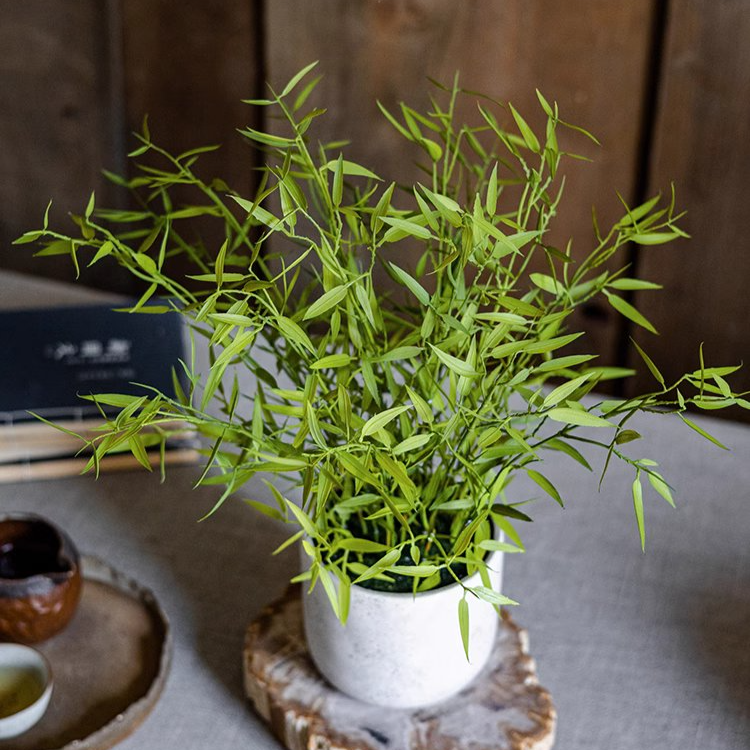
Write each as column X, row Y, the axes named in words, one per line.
column 665, row 84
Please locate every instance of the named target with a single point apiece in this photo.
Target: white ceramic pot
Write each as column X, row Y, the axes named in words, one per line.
column 401, row 650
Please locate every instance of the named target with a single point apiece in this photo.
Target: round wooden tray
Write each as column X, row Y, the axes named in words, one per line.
column 109, row 666
column 505, row 708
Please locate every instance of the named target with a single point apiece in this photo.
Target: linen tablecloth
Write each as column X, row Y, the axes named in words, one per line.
column 639, row 651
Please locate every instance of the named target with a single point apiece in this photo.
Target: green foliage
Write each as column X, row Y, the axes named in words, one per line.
column 401, row 417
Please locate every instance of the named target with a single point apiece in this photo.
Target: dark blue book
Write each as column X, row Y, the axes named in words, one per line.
column 52, row 356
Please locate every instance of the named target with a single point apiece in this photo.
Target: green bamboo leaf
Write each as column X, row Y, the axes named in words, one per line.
column 267, row 139
column 235, row 320
column 458, row 366
column 546, row 485
column 265, row 509
column 649, row 363
column 395, row 123
column 145, row 262
column 401, row 227
column 112, row 399
column 654, row 238
column 411, row 283
column 351, row 168
column 573, row 416
column 491, row 202
column 463, row 623
column 382, row 206
column 627, row 436
column 28, row 237
column 535, row 346
column 316, row 432
column 104, row 250
column 396, row 470
column 446, row 207
column 302, row 518
column 354, row 466
column 378, row 421
column 702, row 432
column 330, row 589
column 528, row 134
column 344, row 599
column 364, row 302
column 518, row 306
column 509, row 349
column 361, row 545
column 633, row 284
column 399, row 353
column 493, row 597
column 637, row 213
column 429, row 215
column 432, row 148
column 415, row 571
column 297, row 77
column 492, row 545
column 292, row 331
column 338, row 182
column 547, row 284
column 560, row 445
column 562, row 363
column 638, row 507
column 421, row 406
column 560, row 393
column 545, row 104
column 413, row 443
column 325, row 302
column 510, row 511
column 332, row 361
column 385, row 562
column 630, row 312
column 213, row 278
column 657, row 482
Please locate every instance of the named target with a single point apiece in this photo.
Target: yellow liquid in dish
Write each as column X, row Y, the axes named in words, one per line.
column 19, row 688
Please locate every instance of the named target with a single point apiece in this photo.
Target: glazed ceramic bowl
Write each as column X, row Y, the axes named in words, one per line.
column 40, row 578
column 25, row 688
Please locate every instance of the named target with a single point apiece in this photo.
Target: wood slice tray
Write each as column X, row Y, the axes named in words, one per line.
column 108, row 666
column 505, row 708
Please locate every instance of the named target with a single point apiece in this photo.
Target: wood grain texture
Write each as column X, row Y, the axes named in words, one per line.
column 56, row 123
column 588, row 55
column 701, row 144
column 503, row 709
column 187, row 65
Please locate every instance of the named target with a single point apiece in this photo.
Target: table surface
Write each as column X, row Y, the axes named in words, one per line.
column 638, row 650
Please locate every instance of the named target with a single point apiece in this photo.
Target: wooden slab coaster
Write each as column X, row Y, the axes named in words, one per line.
column 505, row 708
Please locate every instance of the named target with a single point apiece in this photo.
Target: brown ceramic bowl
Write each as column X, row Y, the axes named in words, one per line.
column 40, row 578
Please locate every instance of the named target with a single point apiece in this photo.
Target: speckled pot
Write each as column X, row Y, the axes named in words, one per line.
column 40, row 578
column 400, row 650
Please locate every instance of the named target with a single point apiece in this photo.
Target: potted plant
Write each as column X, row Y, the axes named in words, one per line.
column 401, row 417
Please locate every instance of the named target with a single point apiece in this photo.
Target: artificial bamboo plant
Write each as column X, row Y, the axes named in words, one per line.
column 402, row 417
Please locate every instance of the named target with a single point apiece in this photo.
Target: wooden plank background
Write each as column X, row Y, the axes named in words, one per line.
column 385, row 51
column 665, row 84
column 701, row 144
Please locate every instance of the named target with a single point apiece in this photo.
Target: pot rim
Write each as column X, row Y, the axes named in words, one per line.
column 467, row 581
column 490, row 560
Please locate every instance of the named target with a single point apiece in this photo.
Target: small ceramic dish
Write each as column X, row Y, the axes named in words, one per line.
column 25, row 688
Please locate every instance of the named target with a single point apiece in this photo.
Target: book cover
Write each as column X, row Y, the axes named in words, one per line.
column 52, row 356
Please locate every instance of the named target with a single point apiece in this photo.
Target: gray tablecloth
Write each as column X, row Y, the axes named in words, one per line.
column 639, row 651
